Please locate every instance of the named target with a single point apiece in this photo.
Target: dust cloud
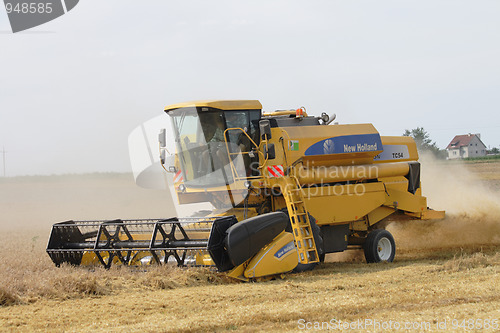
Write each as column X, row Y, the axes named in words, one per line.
column 469, row 195
column 34, row 203
column 350, row 255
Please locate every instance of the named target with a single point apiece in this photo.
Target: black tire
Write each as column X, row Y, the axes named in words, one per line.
column 318, row 240
column 379, row 246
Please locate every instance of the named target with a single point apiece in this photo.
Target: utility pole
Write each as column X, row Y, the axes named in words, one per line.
column 3, row 153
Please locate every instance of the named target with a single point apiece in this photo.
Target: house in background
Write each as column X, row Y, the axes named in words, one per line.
column 468, row 145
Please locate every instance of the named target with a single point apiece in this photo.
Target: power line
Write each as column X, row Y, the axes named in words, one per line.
column 462, row 128
column 3, row 153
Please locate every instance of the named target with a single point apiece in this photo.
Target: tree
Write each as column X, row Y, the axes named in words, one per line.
column 494, row 150
column 424, row 143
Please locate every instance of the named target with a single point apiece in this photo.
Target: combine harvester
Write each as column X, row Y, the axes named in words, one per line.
column 284, row 189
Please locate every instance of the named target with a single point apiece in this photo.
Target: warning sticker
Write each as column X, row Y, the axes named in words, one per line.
column 276, row 171
column 178, row 177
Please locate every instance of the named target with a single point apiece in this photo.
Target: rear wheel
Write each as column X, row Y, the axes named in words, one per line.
column 379, row 246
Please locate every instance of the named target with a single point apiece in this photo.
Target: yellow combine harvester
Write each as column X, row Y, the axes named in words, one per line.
column 285, row 188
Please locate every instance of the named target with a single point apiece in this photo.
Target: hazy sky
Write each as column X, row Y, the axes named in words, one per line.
column 73, row 89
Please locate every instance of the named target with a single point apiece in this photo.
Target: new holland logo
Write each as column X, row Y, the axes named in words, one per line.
column 26, row 14
column 328, row 147
column 284, row 250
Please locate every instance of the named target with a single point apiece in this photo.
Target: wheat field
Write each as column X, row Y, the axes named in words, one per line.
column 445, row 274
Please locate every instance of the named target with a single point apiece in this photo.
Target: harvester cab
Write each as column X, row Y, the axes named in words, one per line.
column 214, row 148
column 267, row 193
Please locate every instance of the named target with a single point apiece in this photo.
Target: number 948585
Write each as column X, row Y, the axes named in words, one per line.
column 29, row 7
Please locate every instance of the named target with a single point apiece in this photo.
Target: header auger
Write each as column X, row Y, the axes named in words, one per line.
column 285, row 189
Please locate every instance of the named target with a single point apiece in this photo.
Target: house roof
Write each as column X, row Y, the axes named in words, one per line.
column 462, row 141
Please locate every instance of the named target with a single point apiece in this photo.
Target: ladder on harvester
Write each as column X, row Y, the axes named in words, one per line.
column 299, row 218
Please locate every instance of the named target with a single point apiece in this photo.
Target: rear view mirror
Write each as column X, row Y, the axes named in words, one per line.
column 162, row 138
column 162, row 157
column 265, row 129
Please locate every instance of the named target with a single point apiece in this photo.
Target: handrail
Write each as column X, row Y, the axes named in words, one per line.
column 229, row 154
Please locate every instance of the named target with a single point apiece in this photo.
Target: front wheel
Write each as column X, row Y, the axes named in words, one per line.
column 318, row 240
column 379, row 246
